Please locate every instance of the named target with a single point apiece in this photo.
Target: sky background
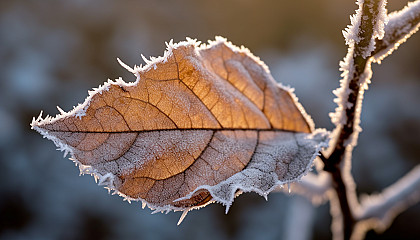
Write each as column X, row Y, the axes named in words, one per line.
column 53, row 52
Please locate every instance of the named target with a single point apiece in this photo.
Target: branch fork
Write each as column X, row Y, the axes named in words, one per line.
column 372, row 36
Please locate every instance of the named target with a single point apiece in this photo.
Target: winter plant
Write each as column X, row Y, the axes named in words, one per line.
column 207, row 122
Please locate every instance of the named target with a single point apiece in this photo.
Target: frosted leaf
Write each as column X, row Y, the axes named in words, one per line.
column 200, row 124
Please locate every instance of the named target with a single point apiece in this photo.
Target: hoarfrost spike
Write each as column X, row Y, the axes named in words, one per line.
column 60, row 110
column 184, row 214
column 125, row 66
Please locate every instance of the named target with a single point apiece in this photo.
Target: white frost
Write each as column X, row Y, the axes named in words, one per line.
column 342, row 93
column 400, row 27
column 258, row 177
column 352, row 32
column 352, row 36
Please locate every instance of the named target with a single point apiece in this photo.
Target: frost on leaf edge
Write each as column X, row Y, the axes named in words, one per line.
column 108, row 179
column 320, row 133
column 80, row 110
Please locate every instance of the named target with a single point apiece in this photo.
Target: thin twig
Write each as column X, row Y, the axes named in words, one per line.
column 385, row 206
column 401, row 25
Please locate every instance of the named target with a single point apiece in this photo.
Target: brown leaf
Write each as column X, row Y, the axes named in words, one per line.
column 200, row 124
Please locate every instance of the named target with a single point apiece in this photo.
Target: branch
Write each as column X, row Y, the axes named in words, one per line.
column 384, row 207
column 367, row 25
column 401, row 25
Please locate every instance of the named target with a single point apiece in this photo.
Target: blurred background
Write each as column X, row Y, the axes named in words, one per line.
column 52, row 52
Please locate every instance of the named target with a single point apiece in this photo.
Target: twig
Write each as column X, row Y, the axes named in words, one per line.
column 357, row 62
column 401, row 25
column 393, row 200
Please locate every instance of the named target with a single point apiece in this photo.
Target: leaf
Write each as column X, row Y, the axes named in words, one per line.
column 202, row 123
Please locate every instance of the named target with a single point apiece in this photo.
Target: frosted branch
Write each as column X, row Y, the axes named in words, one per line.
column 367, row 26
column 393, row 200
column 371, row 36
column 402, row 24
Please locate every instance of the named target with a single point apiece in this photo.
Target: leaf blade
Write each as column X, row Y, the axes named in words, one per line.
column 190, row 122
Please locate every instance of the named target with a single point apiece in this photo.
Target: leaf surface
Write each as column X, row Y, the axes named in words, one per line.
column 200, row 124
